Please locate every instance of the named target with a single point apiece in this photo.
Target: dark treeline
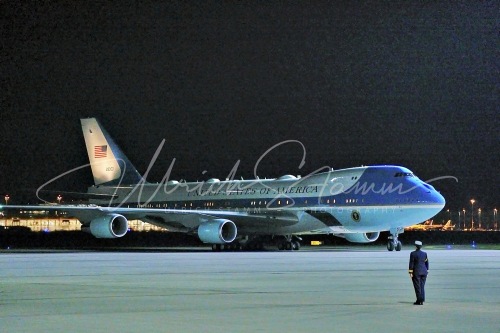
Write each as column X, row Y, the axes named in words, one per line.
column 24, row 239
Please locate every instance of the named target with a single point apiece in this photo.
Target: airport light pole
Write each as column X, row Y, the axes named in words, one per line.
column 463, row 210
column 7, row 197
column 495, row 218
column 479, row 218
column 59, row 198
column 472, row 214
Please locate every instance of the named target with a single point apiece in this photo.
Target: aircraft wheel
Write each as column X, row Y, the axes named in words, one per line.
column 296, row 245
column 288, row 246
column 399, row 246
column 281, row 246
column 390, row 246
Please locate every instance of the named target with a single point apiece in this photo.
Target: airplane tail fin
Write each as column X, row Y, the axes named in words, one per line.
column 109, row 164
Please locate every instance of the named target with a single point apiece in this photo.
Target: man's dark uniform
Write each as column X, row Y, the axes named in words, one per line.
column 418, row 269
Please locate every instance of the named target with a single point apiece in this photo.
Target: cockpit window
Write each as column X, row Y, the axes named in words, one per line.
column 404, row 174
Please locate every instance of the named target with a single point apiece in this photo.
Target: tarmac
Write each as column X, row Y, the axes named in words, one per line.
column 312, row 290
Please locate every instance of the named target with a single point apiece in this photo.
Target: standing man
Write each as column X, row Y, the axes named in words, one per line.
column 418, row 269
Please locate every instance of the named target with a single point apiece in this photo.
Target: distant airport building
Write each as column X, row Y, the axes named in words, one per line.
column 56, row 221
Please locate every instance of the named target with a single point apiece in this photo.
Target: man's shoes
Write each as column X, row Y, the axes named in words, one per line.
column 418, row 303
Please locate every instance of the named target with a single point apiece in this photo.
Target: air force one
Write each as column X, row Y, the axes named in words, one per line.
column 356, row 203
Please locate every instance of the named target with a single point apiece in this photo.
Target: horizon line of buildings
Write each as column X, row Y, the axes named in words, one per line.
column 45, row 221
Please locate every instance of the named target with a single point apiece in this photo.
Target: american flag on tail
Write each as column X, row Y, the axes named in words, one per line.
column 100, row 151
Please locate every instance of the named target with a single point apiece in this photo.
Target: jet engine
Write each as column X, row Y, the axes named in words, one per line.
column 218, row 231
column 109, row 226
column 362, row 237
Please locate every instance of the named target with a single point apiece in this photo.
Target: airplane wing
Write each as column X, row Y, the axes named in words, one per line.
column 77, row 195
column 185, row 220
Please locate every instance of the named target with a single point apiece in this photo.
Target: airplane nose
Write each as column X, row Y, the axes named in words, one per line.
column 434, row 196
column 440, row 199
column 437, row 199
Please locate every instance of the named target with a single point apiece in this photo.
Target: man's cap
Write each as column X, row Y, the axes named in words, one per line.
column 418, row 243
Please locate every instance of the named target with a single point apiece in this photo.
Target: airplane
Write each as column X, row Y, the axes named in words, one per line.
column 354, row 203
column 429, row 225
column 448, row 226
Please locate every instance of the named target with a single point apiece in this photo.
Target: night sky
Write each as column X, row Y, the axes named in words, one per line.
column 361, row 83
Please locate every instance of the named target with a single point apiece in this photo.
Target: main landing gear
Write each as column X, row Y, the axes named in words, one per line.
column 290, row 243
column 235, row 246
column 286, row 243
column 242, row 244
column 392, row 241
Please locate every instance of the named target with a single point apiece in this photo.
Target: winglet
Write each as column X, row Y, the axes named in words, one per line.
column 109, row 164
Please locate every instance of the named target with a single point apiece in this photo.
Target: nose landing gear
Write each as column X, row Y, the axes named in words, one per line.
column 392, row 241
